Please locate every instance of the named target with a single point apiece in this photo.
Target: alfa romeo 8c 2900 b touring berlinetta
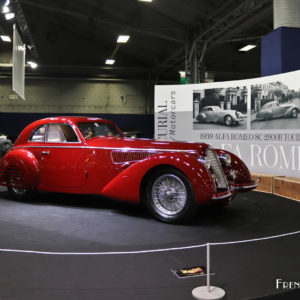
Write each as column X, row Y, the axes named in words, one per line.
column 84, row 155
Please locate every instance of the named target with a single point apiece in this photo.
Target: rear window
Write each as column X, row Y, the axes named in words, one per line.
column 38, row 135
column 54, row 133
column 60, row 133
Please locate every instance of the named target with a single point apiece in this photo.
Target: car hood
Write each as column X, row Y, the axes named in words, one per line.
column 230, row 111
column 146, row 144
column 288, row 105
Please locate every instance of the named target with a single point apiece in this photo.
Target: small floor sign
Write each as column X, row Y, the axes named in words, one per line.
column 190, row 272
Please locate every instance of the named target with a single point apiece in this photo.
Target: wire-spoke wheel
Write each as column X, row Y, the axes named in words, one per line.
column 170, row 195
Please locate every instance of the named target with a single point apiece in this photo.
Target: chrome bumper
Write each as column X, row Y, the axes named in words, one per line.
column 243, row 187
column 222, row 196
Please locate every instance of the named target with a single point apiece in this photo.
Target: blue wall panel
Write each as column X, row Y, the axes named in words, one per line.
column 280, row 51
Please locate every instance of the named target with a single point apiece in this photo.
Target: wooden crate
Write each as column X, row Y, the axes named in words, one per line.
column 265, row 182
column 288, row 187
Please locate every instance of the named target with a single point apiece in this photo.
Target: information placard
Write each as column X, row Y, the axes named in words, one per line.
column 257, row 119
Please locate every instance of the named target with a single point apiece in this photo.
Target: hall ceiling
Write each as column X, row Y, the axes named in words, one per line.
column 73, row 38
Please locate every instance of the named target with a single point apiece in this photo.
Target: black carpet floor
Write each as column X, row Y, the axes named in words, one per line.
column 72, row 223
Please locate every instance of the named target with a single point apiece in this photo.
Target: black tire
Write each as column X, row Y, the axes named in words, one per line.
column 228, row 120
column 20, row 194
column 175, row 205
column 5, row 145
column 294, row 113
column 201, row 118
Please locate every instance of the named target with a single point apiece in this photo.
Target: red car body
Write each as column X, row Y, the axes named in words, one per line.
column 119, row 167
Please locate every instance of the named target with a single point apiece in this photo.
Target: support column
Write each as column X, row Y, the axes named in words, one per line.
column 280, row 48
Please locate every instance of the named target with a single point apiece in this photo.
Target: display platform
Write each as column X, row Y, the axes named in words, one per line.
column 72, row 228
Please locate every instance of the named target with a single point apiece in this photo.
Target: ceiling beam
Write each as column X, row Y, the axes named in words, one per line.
column 220, row 23
column 254, row 20
column 23, row 26
column 106, row 22
column 74, row 28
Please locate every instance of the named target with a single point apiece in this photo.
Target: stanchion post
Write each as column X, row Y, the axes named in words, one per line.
column 208, row 267
column 208, row 292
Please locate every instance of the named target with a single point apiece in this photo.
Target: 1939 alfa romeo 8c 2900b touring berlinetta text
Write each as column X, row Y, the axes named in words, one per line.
column 92, row 156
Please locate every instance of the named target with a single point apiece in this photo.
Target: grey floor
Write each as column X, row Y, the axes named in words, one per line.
column 70, row 223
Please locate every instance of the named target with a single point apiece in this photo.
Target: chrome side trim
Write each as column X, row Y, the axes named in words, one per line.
column 110, row 148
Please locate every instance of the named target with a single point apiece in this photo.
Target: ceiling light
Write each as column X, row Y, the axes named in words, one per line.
column 247, row 48
column 5, row 9
column 123, row 38
column 32, row 64
column 109, row 61
column 5, row 38
column 9, row 16
column 145, row 0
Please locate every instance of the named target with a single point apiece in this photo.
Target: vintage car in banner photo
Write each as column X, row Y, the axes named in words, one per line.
column 214, row 114
column 273, row 109
column 84, row 155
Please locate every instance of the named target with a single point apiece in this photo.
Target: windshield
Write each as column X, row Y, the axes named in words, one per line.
column 93, row 129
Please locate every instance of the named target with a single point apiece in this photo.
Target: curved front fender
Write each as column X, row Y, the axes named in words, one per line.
column 237, row 164
column 126, row 185
column 20, row 169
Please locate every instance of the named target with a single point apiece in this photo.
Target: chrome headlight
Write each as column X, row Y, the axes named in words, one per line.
column 204, row 161
column 233, row 174
column 225, row 159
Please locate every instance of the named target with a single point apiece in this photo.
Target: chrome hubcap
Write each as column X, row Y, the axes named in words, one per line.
column 294, row 113
column 169, row 194
column 228, row 121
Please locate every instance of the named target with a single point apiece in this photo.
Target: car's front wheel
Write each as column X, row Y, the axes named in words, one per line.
column 228, row 120
column 21, row 194
column 170, row 196
column 294, row 113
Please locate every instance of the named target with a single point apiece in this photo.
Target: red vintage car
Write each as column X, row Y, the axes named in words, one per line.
column 84, row 155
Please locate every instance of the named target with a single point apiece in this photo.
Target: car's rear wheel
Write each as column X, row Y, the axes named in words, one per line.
column 169, row 196
column 294, row 113
column 228, row 120
column 21, row 194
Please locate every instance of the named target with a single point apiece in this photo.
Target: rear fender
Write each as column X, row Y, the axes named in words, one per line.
column 126, row 185
column 20, row 169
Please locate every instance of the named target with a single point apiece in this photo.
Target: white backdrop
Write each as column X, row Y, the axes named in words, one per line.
column 267, row 146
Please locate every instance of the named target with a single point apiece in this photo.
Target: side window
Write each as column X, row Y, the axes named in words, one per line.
column 69, row 133
column 38, row 135
column 60, row 133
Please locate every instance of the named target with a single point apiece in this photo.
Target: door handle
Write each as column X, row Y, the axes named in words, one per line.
column 45, row 152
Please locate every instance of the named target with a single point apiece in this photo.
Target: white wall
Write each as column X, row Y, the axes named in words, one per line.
column 78, row 96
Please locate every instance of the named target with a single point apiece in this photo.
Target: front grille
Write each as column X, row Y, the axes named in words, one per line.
column 216, row 168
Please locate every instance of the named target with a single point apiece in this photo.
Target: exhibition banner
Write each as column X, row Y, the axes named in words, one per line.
column 257, row 119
